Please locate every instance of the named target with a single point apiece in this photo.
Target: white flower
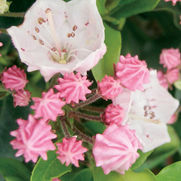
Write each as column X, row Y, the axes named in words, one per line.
column 148, row 112
column 60, row 37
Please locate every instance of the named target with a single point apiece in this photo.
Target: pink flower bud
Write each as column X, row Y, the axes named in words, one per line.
column 49, row 106
column 132, row 72
column 109, row 88
column 113, row 114
column 116, row 149
column 21, row 98
column 73, row 87
column 172, row 75
column 173, row 1
column 162, row 79
column 14, row 78
column 70, row 151
column 170, row 58
column 33, row 138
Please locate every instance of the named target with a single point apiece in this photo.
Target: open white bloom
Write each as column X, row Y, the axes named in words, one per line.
column 148, row 112
column 60, row 37
column 4, row 6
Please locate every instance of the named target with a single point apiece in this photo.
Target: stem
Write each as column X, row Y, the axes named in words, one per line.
column 90, row 100
column 93, row 109
column 64, row 129
column 13, row 15
column 86, row 116
column 83, row 136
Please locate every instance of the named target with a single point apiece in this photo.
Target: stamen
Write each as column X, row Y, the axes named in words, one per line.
column 53, row 31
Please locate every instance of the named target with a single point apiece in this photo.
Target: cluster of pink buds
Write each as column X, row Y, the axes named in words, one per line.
column 132, row 119
column 14, row 79
column 171, row 61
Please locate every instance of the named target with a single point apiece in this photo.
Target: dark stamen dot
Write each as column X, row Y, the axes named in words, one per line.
column 34, row 37
column 74, row 28
column 87, row 23
column 69, row 35
column 72, row 34
column 37, row 29
column 48, row 10
column 41, row 20
column 23, row 49
column 53, row 49
column 41, row 42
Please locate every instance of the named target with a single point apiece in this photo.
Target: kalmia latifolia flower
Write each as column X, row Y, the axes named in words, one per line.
column 109, row 88
column 170, row 58
column 70, row 151
column 173, row 1
column 14, row 78
column 49, row 106
column 60, row 37
column 33, row 139
column 148, row 112
column 132, row 72
column 116, row 149
column 73, row 87
column 114, row 114
column 21, row 98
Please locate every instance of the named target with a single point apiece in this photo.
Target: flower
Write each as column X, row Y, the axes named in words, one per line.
column 33, row 138
column 4, row 6
column 148, row 112
column 170, row 58
column 131, row 72
column 173, row 1
column 49, row 106
column 21, row 98
column 109, row 88
column 172, row 75
column 70, row 151
column 73, row 87
column 60, row 37
column 162, row 79
column 14, row 78
column 114, row 114
column 116, row 149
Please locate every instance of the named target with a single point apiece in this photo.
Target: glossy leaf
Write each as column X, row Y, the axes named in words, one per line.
column 113, row 43
column 45, row 170
column 83, row 175
column 170, row 173
column 133, row 7
column 128, row 176
column 141, row 159
column 13, row 169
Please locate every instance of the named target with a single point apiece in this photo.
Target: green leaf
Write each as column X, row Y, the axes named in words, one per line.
column 174, row 10
column 128, row 176
column 177, row 84
column 113, row 43
column 13, row 169
column 133, row 7
column 83, row 175
column 170, row 173
column 101, row 5
column 141, row 159
column 8, row 116
column 51, row 168
column 95, row 127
